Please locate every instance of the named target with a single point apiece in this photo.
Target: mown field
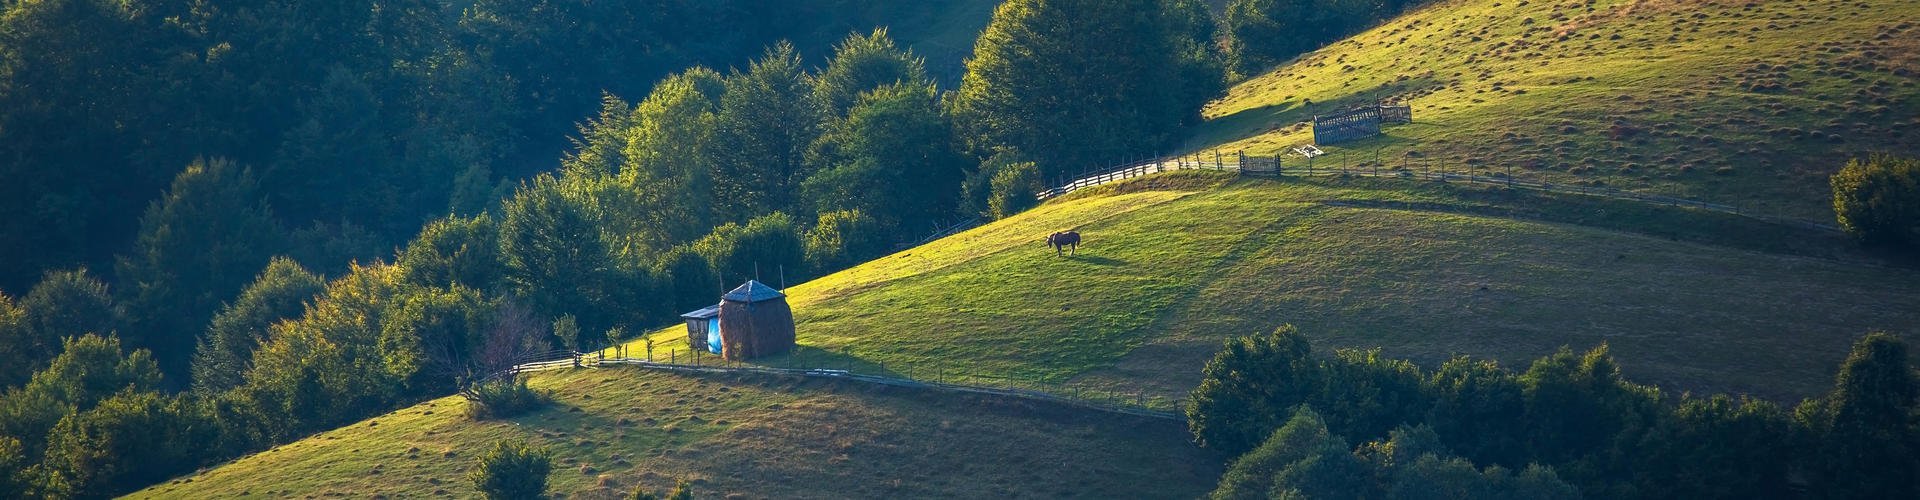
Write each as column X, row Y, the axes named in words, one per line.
column 1687, row 300
column 617, row 429
column 1745, row 102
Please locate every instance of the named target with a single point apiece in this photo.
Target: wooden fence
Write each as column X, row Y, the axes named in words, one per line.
column 1349, row 125
column 1434, row 170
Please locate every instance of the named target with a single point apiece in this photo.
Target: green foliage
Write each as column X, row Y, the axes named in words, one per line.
column 455, row 251
column 1368, row 395
column 89, row 369
column 1248, row 386
column 1013, row 189
column 1476, row 406
column 1578, row 407
column 567, row 329
column 889, row 157
column 763, row 249
column 428, row 336
column 326, row 367
column 198, row 246
column 1878, row 200
column 16, row 343
column 1303, row 460
column 1251, row 475
column 504, row 398
column 669, row 155
column 128, row 441
column 1750, row 444
column 14, row 482
column 64, row 304
column 1084, row 82
column 1867, row 431
column 766, row 121
column 976, row 190
column 682, row 490
column 1572, row 412
column 280, row 292
column 861, row 64
column 92, row 123
column 691, row 278
column 841, row 239
column 513, row 471
column 555, row 257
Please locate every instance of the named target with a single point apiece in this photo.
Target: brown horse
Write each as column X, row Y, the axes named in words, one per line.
column 1064, row 239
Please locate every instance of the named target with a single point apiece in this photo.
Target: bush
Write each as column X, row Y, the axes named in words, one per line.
column 764, row 248
column 681, row 491
column 841, row 239
column 513, row 471
column 1304, row 460
column 691, row 279
column 1878, row 200
column 130, row 440
column 1014, row 187
column 503, row 399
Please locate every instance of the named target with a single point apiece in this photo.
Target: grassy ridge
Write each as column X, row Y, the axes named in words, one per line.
column 1745, row 102
column 1426, row 273
column 616, row 429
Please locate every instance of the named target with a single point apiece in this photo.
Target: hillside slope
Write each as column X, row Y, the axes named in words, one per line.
column 1688, row 300
column 616, row 429
column 1746, row 102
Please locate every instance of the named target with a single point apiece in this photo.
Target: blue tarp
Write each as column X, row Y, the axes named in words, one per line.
column 713, row 335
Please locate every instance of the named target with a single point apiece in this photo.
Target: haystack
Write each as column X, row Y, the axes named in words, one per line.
column 755, row 321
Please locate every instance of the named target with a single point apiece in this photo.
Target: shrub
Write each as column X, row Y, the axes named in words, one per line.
column 1014, row 187
column 503, row 399
column 567, row 329
column 1878, row 200
column 841, row 239
column 690, row 278
column 130, row 440
column 513, row 471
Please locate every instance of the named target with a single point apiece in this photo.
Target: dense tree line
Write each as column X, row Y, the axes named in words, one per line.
column 1571, row 417
column 361, row 119
column 254, row 301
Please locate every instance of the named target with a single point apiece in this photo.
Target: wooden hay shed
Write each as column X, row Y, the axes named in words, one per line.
column 755, row 321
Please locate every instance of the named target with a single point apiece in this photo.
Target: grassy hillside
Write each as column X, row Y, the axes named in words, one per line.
column 1749, row 102
column 1692, row 301
column 615, row 429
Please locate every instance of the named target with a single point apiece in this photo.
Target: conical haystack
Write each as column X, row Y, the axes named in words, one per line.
column 755, row 321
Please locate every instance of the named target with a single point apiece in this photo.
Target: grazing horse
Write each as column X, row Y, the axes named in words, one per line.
column 1064, row 239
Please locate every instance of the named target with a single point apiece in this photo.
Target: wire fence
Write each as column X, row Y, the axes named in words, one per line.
column 941, row 378
column 1415, row 169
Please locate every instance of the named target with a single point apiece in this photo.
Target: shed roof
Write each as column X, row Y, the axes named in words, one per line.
column 704, row 312
column 753, row 291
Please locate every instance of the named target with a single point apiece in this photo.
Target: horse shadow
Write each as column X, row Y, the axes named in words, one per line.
column 1098, row 260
